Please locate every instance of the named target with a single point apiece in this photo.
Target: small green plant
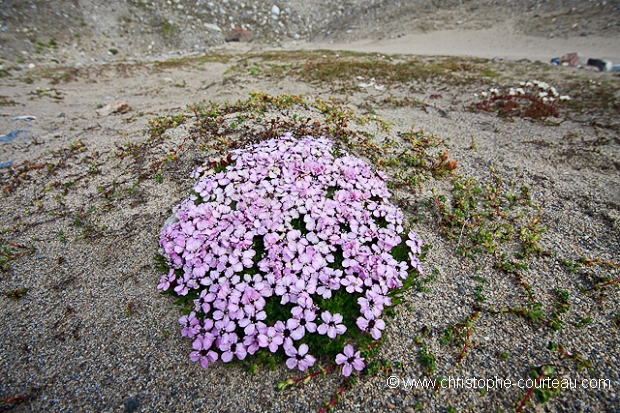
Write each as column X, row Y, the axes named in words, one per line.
column 478, row 296
column 427, row 360
column 542, row 386
column 474, row 145
column 584, row 321
column 460, row 334
column 130, row 308
column 61, row 236
column 10, row 251
column 561, row 307
column 169, row 29
column 483, row 218
column 6, row 101
column 580, row 362
column 17, row 293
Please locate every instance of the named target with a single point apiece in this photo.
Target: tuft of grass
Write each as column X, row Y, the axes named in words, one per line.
column 427, row 360
column 168, row 29
column 17, row 293
column 483, row 217
column 6, row 101
column 10, row 251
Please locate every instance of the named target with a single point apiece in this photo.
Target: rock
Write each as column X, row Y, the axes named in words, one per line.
column 26, row 118
column 212, row 27
column 12, row 135
column 131, row 405
column 275, row 10
column 116, row 107
column 239, row 35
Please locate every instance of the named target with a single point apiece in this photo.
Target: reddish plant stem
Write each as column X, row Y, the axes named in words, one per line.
column 316, row 373
column 465, row 347
column 334, row 400
column 564, row 353
column 470, row 319
column 372, row 345
column 605, row 284
column 529, row 393
column 594, row 261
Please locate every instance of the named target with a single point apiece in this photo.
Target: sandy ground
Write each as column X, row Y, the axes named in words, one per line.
column 90, row 333
column 492, row 43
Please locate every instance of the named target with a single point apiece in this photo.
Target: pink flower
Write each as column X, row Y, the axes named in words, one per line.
column 372, row 305
column 287, row 221
column 332, row 325
column 166, row 280
column 350, row 360
column 299, row 358
column 270, row 337
column 232, row 347
column 372, row 326
column 306, row 318
column 190, row 325
column 414, row 243
column 252, row 322
column 201, row 352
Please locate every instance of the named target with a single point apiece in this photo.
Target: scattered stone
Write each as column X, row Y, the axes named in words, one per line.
column 131, row 405
column 27, row 118
column 275, row 10
column 212, row 27
column 239, row 35
column 12, row 135
column 117, row 107
column 365, row 85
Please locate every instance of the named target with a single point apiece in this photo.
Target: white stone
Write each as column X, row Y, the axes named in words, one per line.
column 213, row 27
column 275, row 10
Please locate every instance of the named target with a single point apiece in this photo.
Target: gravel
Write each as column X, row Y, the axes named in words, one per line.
column 92, row 334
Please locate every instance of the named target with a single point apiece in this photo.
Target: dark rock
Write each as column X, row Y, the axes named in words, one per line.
column 12, row 135
column 131, row 405
column 239, row 35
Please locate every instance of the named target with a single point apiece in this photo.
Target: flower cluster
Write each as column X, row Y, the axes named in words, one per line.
column 261, row 248
column 532, row 99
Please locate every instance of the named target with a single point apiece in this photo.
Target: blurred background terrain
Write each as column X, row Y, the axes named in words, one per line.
column 62, row 31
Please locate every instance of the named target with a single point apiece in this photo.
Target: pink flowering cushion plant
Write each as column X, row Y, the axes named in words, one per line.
column 293, row 251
